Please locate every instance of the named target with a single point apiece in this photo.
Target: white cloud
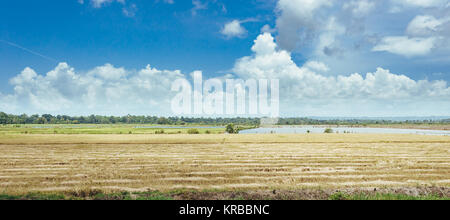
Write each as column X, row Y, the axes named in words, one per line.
column 425, row 25
column 317, row 66
column 339, row 30
column 360, row 7
column 101, row 3
column 234, row 29
column 127, row 10
column 108, row 72
column 327, row 43
column 103, row 90
column 110, row 90
column 421, row 3
column 405, row 46
column 316, row 26
column 198, row 5
column 130, row 11
column 295, row 16
column 264, row 44
column 268, row 29
column 303, row 8
column 302, row 86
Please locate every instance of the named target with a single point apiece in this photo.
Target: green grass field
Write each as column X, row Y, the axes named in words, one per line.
column 107, row 129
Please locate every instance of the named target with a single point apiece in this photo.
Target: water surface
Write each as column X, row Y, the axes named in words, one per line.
column 353, row 130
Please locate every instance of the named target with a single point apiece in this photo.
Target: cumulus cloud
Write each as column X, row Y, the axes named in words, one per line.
column 405, row 46
column 297, row 16
column 268, row 29
column 234, row 29
column 269, row 62
column 303, row 86
column 327, row 43
column 305, row 90
column 421, row 3
column 103, row 90
column 360, row 7
column 325, row 28
column 317, row 66
column 423, row 34
column 426, row 25
column 340, row 30
column 108, row 72
column 397, row 6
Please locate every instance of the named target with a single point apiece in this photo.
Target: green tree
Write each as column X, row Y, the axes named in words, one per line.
column 3, row 118
column 328, row 131
column 163, row 121
column 47, row 117
column 92, row 119
column 41, row 121
column 230, row 129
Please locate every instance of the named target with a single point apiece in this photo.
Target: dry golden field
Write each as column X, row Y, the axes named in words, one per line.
column 111, row 163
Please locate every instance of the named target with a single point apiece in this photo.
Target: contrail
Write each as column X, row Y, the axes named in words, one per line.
column 28, row 50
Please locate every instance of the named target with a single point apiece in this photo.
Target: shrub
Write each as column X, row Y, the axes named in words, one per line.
column 193, row 131
column 207, row 132
column 339, row 196
column 160, row 131
column 230, row 129
column 328, row 131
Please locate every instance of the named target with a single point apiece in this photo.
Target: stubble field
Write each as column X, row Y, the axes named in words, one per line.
column 49, row 163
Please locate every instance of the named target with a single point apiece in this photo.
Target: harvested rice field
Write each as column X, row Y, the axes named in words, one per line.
column 57, row 163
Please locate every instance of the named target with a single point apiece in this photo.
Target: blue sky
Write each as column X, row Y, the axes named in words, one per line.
column 159, row 33
column 404, row 44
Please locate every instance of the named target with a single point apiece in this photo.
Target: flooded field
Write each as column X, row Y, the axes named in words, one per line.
column 352, row 130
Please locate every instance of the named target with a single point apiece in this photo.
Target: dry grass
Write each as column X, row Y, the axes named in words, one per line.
column 110, row 163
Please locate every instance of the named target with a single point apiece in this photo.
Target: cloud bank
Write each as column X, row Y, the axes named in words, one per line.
column 103, row 90
column 305, row 90
column 331, row 28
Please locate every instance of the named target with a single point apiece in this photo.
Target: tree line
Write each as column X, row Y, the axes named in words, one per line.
column 128, row 119
column 309, row 121
column 132, row 119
